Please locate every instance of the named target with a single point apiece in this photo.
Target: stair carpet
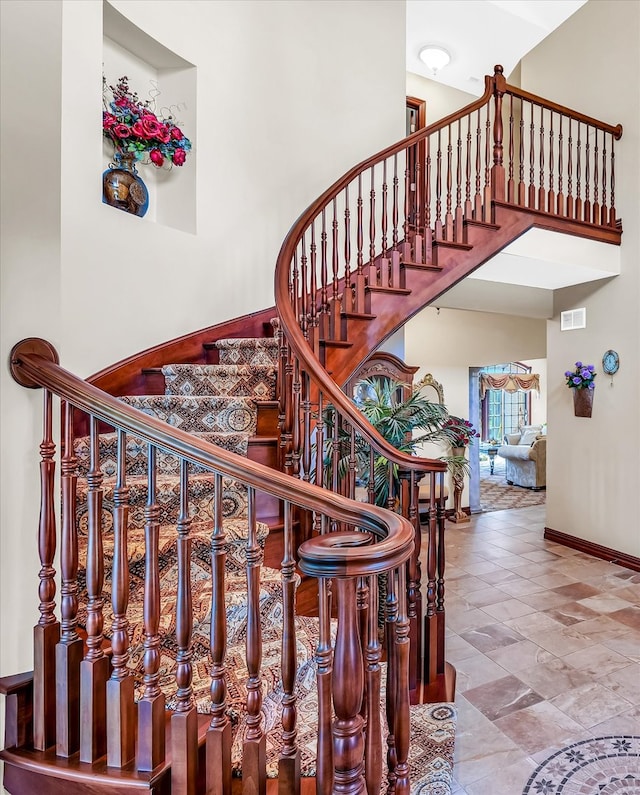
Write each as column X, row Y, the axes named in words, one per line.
column 218, row 403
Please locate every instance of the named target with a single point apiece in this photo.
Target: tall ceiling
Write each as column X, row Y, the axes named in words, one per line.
column 479, row 34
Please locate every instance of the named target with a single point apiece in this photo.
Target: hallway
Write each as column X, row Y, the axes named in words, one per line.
column 546, row 643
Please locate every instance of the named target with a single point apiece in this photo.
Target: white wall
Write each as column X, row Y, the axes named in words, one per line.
column 288, row 97
column 441, row 100
column 592, row 63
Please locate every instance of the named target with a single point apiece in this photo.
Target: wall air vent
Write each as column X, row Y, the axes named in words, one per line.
column 573, row 319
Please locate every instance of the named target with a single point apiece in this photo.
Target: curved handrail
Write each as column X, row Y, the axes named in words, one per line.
column 294, row 335
column 495, row 86
column 395, row 533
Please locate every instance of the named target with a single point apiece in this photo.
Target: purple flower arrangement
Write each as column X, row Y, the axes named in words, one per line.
column 582, row 377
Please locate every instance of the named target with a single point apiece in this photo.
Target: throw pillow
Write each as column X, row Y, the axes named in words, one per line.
column 528, row 437
column 512, row 438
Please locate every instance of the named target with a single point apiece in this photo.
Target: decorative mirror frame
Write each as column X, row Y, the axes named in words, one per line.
column 429, row 381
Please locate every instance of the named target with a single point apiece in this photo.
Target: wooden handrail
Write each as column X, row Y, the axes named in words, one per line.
column 394, row 534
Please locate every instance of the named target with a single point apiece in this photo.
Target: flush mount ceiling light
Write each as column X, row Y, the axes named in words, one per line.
column 434, row 57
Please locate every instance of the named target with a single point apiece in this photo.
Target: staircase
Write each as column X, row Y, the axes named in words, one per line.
column 178, row 660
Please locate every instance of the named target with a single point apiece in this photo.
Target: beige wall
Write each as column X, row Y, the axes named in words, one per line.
column 288, row 99
column 441, row 100
column 592, row 63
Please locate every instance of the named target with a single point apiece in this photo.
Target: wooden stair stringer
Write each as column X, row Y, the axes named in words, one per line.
column 393, row 310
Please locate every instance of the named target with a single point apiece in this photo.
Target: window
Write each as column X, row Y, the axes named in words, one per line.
column 504, row 412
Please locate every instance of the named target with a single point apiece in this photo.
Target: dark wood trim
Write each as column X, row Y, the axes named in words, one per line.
column 420, row 106
column 593, row 549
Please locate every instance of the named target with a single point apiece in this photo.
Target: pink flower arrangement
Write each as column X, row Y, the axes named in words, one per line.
column 458, row 431
column 132, row 126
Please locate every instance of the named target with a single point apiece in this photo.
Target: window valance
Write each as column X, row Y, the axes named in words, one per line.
column 510, row 382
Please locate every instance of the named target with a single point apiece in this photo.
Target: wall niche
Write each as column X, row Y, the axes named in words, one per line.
column 168, row 81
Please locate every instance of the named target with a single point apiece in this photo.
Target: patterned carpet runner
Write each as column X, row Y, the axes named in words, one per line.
column 218, row 404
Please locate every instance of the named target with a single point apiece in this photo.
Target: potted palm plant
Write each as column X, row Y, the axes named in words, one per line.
column 404, row 420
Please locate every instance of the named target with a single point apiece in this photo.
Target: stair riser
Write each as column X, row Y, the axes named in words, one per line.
column 221, row 380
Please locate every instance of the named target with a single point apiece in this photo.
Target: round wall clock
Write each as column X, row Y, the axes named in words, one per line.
column 610, row 362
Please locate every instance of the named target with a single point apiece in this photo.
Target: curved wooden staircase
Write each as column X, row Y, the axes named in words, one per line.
column 384, row 241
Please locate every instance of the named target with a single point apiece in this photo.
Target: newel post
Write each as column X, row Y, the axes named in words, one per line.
column 497, row 170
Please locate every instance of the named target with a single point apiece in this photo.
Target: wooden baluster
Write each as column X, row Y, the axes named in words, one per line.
column 440, row 586
column 324, row 660
column 303, row 317
column 372, row 229
column 295, row 429
column 570, row 207
column 612, row 209
column 409, row 502
column 334, row 316
column 352, row 464
column 348, row 302
column 511, row 196
column 254, row 745
column 120, row 706
column 603, row 207
column 532, row 160
column 359, row 281
column 596, row 196
column 371, row 483
column 184, row 721
column 468, row 206
column 289, row 761
column 383, row 266
column 407, row 243
column 313, row 290
column 448, row 219
column 477, row 204
column 94, row 669
column 335, row 453
column 438, row 223
column 401, row 725
column 428, row 232
column 430, row 619
column 587, row 185
column 541, row 189
column 70, row 649
column 418, row 247
column 295, row 286
column 390, row 276
column 306, row 424
column 560, row 199
column 486, row 203
column 362, row 613
column 323, row 325
column 46, row 632
column 320, row 444
column 373, row 738
column 348, row 739
column 289, row 419
column 458, row 227
column 218, row 747
column 151, row 718
column 522, row 193
column 497, row 170
column 578, row 176
column 391, row 616
column 551, row 196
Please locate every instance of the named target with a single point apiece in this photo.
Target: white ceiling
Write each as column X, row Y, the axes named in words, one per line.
column 479, row 34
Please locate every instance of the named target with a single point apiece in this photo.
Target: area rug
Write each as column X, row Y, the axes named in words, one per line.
column 497, row 495
column 598, row 766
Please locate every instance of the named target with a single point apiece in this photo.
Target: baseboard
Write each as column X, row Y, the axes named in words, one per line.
column 593, row 549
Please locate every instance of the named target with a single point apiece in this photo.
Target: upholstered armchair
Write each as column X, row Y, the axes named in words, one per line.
column 525, row 455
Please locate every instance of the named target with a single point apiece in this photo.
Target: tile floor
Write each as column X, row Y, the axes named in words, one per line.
column 546, row 643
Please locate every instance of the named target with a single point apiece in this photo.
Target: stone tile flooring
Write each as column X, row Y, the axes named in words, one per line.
column 546, row 643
